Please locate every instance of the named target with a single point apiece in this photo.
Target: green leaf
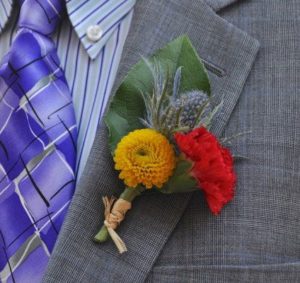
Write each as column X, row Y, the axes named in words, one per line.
column 127, row 105
column 180, row 181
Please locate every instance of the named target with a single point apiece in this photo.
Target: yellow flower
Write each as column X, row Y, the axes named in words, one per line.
column 144, row 157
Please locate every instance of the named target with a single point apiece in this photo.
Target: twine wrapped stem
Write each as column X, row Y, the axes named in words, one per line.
column 115, row 211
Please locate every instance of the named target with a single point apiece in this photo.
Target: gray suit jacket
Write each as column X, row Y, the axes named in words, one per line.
column 175, row 238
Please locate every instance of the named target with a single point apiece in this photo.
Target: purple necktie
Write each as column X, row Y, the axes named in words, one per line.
column 37, row 145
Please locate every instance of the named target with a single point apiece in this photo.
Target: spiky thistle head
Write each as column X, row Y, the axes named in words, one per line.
column 168, row 111
column 189, row 110
column 158, row 101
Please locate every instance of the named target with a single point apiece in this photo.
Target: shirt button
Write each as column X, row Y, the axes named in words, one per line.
column 94, row 33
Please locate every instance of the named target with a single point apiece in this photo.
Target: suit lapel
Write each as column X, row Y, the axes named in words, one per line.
column 217, row 5
column 229, row 54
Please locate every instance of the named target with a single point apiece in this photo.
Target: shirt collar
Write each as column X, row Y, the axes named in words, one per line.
column 105, row 14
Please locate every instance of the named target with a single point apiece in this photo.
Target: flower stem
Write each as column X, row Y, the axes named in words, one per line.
column 129, row 194
column 102, row 235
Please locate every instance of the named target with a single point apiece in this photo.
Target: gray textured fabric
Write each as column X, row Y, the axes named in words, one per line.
column 217, row 5
column 175, row 238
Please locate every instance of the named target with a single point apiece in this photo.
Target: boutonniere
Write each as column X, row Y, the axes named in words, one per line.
column 159, row 135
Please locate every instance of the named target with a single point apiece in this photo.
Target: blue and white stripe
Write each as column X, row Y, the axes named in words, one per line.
column 90, row 68
column 112, row 13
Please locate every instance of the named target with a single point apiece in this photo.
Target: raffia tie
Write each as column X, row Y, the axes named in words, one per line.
column 114, row 214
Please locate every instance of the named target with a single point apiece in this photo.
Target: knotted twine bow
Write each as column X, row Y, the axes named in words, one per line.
column 114, row 213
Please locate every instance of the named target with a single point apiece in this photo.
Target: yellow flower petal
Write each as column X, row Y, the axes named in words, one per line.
column 145, row 157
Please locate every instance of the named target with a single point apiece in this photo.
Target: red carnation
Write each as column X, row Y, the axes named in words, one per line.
column 212, row 166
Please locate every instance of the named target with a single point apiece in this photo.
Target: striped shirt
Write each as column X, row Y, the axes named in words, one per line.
column 90, row 66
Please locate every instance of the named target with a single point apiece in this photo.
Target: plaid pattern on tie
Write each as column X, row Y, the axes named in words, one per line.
column 37, row 145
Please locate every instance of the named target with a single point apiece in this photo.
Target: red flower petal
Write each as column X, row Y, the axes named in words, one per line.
column 213, row 166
